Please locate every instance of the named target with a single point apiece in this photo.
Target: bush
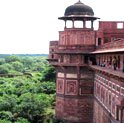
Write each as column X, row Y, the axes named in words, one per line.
column 22, row 120
column 5, row 121
column 6, row 115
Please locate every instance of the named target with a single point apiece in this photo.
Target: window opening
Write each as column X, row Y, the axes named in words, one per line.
column 119, row 25
column 86, row 59
column 52, row 56
column 99, row 41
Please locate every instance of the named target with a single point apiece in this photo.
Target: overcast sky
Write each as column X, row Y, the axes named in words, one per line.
column 27, row 26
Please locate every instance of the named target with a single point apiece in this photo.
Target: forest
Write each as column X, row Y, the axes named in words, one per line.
column 27, row 90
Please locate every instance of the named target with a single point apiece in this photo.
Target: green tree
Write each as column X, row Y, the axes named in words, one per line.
column 6, row 115
column 25, row 99
column 8, row 66
column 4, row 70
column 18, row 66
column 32, row 105
column 49, row 73
column 27, row 61
column 12, row 58
column 5, row 121
column 21, row 120
column 7, row 102
column 2, row 61
column 46, row 87
column 37, row 66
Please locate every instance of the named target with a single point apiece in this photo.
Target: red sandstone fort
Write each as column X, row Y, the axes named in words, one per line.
column 90, row 68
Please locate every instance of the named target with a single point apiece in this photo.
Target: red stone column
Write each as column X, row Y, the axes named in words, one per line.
column 65, row 24
column 92, row 24
column 73, row 24
column 84, row 23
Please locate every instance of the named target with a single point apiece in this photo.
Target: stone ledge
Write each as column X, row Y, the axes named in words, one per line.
column 117, row 73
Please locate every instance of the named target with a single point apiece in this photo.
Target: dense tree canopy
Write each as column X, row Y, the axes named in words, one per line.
column 4, row 69
column 2, row 61
column 30, row 97
column 49, row 73
column 9, row 59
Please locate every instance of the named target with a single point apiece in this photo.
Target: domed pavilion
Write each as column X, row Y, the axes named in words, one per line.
column 79, row 12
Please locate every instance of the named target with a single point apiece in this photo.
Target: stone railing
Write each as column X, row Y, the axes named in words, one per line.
column 114, row 44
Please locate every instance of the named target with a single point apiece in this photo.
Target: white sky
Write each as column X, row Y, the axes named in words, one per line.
column 27, row 26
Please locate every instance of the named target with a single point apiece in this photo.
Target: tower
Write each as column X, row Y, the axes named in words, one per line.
column 71, row 58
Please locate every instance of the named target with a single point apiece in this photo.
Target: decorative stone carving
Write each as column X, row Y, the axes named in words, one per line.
column 86, row 87
column 71, row 87
column 60, row 86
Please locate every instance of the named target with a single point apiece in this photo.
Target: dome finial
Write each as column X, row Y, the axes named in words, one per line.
column 79, row 2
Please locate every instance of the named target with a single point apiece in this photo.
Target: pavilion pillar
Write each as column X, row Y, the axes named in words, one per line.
column 65, row 24
column 84, row 23
column 73, row 24
column 92, row 24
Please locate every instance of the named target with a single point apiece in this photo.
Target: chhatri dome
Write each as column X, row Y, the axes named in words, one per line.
column 79, row 8
column 79, row 12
